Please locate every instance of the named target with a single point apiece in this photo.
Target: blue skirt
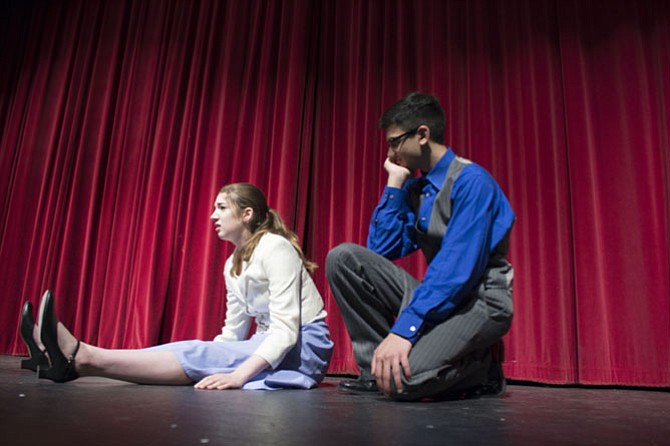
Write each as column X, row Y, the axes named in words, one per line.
column 304, row 366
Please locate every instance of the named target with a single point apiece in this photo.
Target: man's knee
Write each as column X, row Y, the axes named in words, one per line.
column 338, row 256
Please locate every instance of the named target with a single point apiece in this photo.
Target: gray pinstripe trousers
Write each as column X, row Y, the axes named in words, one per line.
column 455, row 354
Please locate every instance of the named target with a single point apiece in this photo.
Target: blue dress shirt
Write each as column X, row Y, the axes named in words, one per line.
column 481, row 216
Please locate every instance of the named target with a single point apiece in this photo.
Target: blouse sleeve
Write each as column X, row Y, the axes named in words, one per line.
column 283, row 267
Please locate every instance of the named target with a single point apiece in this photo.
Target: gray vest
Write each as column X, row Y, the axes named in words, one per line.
column 498, row 268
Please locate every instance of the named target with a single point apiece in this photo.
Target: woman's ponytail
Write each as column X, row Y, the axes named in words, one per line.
column 265, row 220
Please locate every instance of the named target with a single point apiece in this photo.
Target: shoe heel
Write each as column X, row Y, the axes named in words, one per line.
column 37, row 358
column 35, row 364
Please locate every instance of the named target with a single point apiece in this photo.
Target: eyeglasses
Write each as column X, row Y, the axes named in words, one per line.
column 395, row 141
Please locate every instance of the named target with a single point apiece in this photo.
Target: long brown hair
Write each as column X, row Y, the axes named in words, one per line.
column 265, row 219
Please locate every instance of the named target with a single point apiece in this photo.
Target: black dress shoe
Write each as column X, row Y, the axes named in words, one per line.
column 496, row 384
column 62, row 368
column 358, row 385
column 37, row 357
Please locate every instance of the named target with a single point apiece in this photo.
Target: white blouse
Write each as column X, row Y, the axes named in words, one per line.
column 275, row 289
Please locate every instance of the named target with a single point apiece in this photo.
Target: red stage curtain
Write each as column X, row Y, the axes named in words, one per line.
column 120, row 121
column 616, row 60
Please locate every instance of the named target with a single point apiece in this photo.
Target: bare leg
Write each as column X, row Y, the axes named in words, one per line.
column 138, row 366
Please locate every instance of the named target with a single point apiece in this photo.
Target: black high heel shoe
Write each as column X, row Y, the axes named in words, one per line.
column 37, row 357
column 62, row 368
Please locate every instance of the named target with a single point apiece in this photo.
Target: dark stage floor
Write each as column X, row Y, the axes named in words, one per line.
column 94, row 411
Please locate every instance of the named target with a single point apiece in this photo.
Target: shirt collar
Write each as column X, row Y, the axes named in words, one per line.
column 438, row 173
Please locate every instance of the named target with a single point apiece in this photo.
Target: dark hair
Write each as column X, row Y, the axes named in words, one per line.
column 240, row 196
column 414, row 110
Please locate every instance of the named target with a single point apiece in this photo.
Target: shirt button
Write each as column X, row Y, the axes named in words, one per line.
column 391, row 196
column 423, row 218
column 412, row 328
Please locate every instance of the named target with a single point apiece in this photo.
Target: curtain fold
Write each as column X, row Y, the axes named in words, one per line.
column 120, row 121
column 616, row 127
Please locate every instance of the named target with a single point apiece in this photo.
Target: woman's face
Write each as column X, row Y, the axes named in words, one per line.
column 228, row 223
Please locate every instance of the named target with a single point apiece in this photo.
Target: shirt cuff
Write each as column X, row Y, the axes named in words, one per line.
column 392, row 202
column 408, row 326
column 394, row 197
